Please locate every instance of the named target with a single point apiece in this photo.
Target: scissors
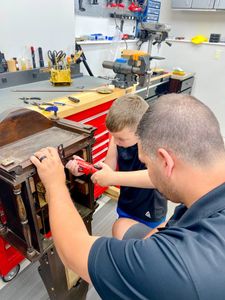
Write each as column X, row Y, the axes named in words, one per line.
column 56, row 56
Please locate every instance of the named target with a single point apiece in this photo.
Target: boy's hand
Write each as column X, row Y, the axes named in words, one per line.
column 105, row 176
column 72, row 166
column 49, row 167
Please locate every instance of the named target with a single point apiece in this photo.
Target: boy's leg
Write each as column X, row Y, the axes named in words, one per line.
column 123, row 227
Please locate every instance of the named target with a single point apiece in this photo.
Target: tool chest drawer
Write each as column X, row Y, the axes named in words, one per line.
column 186, row 84
column 96, row 120
column 100, row 155
column 99, row 147
column 102, row 136
column 87, row 113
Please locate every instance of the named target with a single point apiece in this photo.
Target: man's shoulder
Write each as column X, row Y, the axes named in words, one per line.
column 136, row 266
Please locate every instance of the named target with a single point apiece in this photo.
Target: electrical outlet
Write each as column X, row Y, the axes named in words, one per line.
column 217, row 54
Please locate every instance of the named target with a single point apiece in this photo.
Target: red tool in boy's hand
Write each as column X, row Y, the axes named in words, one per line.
column 86, row 168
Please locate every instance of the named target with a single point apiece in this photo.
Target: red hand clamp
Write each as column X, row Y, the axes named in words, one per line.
column 86, row 168
column 134, row 7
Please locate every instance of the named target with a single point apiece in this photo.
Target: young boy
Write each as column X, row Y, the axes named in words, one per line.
column 138, row 199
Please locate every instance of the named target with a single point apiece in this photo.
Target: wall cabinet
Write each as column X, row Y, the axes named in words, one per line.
column 219, row 4
column 198, row 4
column 204, row 4
column 181, row 4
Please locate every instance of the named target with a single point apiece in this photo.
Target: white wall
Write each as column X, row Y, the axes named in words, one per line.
column 96, row 54
column 88, row 25
column 191, row 23
column 40, row 23
column 207, row 61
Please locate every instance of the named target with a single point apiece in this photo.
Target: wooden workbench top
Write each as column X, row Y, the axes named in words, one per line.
column 89, row 100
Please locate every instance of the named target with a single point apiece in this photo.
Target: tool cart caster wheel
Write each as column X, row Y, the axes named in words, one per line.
column 12, row 274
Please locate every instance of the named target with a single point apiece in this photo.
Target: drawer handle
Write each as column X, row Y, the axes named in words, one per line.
column 100, row 152
column 101, row 144
column 95, row 117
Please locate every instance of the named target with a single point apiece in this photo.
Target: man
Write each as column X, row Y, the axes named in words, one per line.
column 181, row 144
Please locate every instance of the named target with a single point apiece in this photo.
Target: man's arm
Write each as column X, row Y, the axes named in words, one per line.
column 70, row 235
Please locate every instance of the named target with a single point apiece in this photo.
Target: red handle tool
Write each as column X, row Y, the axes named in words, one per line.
column 86, row 168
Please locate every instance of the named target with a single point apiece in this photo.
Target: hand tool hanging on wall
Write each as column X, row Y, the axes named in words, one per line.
column 111, row 4
column 134, row 7
column 121, row 24
column 120, row 4
column 80, row 4
column 33, row 57
column 94, row 2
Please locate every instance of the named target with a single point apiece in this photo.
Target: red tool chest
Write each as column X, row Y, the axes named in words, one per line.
column 10, row 258
column 96, row 116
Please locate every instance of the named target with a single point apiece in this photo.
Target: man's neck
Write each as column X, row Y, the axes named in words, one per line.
column 199, row 182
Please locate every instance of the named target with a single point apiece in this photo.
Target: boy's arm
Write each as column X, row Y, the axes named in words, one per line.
column 111, row 156
column 106, row 177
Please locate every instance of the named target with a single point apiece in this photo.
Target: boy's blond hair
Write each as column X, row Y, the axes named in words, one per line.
column 126, row 111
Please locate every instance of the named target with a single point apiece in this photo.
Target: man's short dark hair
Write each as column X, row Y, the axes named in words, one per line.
column 181, row 124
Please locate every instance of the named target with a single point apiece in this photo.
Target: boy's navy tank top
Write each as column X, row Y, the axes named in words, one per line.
column 146, row 204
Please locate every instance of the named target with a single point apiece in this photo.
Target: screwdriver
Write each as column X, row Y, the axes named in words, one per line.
column 73, row 99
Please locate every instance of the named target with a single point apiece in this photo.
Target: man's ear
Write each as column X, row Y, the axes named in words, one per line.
column 166, row 160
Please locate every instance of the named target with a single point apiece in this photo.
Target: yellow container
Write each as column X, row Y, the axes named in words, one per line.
column 60, row 77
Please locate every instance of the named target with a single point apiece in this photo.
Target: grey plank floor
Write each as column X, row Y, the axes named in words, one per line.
column 28, row 284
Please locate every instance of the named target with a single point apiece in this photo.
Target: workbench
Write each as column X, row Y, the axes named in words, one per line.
column 92, row 109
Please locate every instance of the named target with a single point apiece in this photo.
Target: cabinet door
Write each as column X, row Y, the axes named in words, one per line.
column 202, row 4
column 220, row 4
column 181, row 3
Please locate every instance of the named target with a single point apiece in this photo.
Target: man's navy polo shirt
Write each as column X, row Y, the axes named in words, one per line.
column 186, row 260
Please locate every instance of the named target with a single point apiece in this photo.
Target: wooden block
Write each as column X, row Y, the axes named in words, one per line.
column 39, row 222
column 71, row 278
column 113, row 192
column 82, row 186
